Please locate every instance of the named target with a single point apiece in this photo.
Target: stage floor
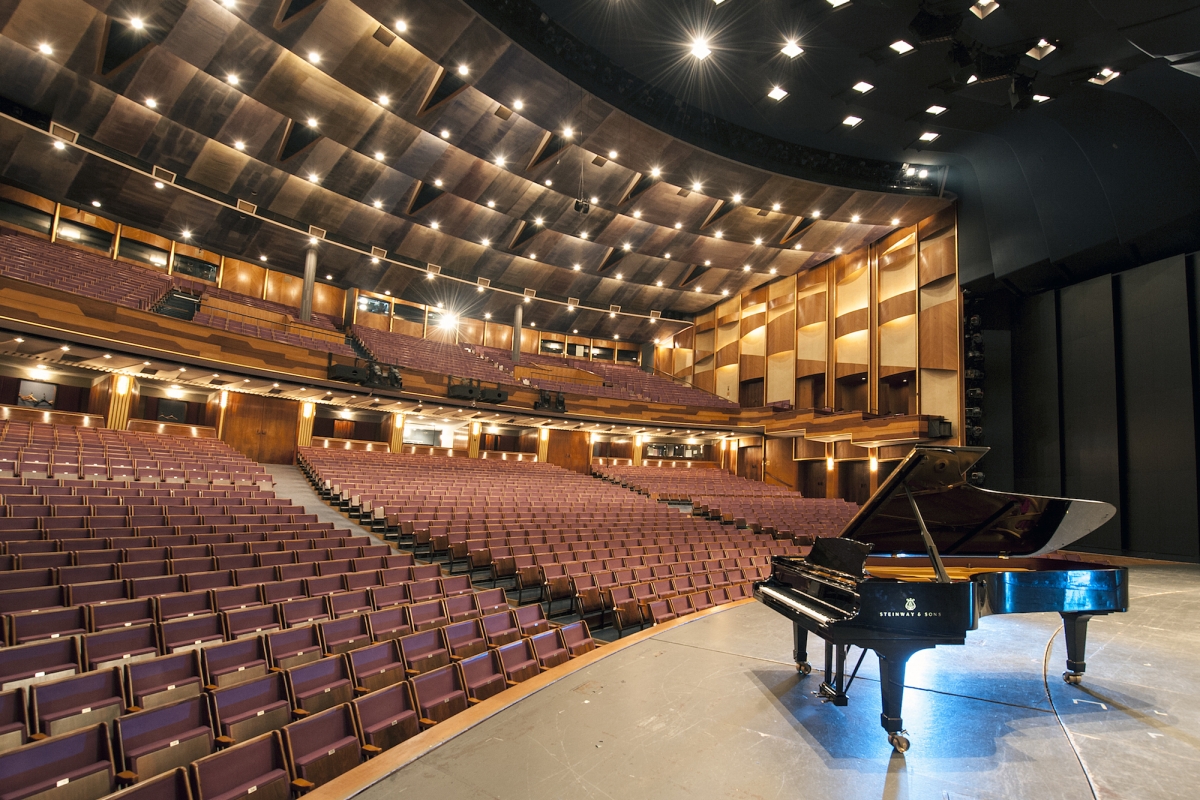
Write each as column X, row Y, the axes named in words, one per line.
column 716, row 709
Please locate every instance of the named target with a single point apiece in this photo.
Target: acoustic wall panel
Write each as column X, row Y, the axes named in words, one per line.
column 1160, row 431
column 1091, row 451
column 1036, row 453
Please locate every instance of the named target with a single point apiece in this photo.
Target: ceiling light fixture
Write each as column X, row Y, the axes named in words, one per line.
column 499, row 161
column 576, row 267
column 136, row 23
column 518, row 105
column 929, row 136
column 852, row 121
column 378, row 204
column 45, row 49
column 462, row 69
column 862, row 87
column 96, row 203
column 855, row 218
column 658, row 284
column 791, row 49
column 901, row 47
column 400, row 25
column 1040, row 50
column 158, row 184
column 491, row 203
column 1104, row 76
column 151, row 102
column 776, row 206
column 655, row 172
column 435, row 225
column 637, row 214
column 1040, row 98
column 982, row 8
column 384, row 100
column 777, row 93
column 936, row 110
column 445, row 133
column 745, row 268
column 895, row 220
column 59, row 146
column 312, row 122
column 700, row 49
column 612, row 154
column 719, row 234
column 772, row 269
column 314, row 57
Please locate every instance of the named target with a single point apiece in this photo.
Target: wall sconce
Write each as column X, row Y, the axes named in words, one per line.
column 307, row 410
column 829, row 463
column 122, row 385
column 545, row 434
column 874, row 463
column 476, row 427
column 224, row 399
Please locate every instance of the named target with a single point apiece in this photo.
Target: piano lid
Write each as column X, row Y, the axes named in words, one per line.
column 964, row 520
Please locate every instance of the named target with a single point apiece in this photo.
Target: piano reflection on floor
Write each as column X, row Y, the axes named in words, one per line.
column 924, row 559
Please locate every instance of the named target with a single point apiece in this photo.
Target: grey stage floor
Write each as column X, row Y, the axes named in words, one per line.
column 715, row 709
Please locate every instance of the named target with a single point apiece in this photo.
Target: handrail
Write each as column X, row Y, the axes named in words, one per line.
column 300, row 329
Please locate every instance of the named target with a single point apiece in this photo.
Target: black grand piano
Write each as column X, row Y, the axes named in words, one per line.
column 924, row 559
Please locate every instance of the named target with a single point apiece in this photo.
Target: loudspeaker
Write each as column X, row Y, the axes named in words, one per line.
column 493, row 395
column 345, row 372
column 463, row 391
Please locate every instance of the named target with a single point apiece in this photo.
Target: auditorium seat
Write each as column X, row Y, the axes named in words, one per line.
column 256, row 766
column 14, row 720
column 483, row 676
column 389, row 623
column 162, row 739
column 173, row 785
column 376, row 666
column 251, row 620
column 464, row 639
column 427, row 616
column 387, row 717
column 519, row 661
column 499, row 629
column 38, row 662
column 297, row 613
column 51, row 623
column 549, row 649
column 73, row 766
column 323, row 746
column 76, row 702
column 530, row 619
column 293, row 647
column 319, row 685
column 246, row 710
column 187, row 633
column 491, row 601
column 344, row 635
column 576, row 638
column 424, row 651
column 461, row 607
column 164, row 680
column 439, row 694
column 234, row 662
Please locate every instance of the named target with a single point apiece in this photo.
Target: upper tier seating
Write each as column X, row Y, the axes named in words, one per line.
column 247, row 326
column 78, row 272
column 654, row 388
column 598, row 389
column 717, row 493
column 429, row 355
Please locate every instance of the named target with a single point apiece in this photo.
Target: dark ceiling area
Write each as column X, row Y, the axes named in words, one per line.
column 580, row 150
column 1071, row 126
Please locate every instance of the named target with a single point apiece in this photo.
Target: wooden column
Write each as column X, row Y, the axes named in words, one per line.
column 476, row 433
column 396, row 434
column 831, row 472
column 120, row 397
column 305, row 428
column 543, row 446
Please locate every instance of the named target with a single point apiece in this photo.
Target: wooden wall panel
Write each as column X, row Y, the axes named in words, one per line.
column 570, row 450
column 498, row 335
column 778, row 467
column 939, row 336
column 243, row 277
column 329, row 299
column 470, row 331
column 286, row 289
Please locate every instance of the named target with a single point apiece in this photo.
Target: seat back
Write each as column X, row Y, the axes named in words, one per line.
column 162, row 739
column 74, row 766
column 439, row 694
column 387, row 717
column 234, row 662
column 256, row 766
column 294, row 646
column 173, row 785
column 323, row 746
column 377, row 665
column 250, row 709
column 482, row 675
column 166, row 679
column 320, row 684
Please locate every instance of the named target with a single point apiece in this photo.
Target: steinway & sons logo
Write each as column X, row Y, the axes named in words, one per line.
column 910, row 610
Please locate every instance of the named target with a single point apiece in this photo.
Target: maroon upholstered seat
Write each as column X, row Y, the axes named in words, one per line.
column 439, row 694
column 323, row 746
column 387, row 717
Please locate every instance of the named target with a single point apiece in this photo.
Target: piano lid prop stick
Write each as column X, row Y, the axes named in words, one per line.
column 930, row 547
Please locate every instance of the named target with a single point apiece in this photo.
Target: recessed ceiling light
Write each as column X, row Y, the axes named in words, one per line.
column 239, row 145
column 745, row 268
column 637, row 214
column 837, row 250
column 594, row 199
column 936, row 110
column 719, row 234
column 445, row 133
column 312, row 177
column 186, row 234
column 328, row 277
column 852, row 121
column 314, row 57
column 697, row 288
column 568, row 133
column 59, row 146
column 708, row 263
column 158, row 184
column 499, row 161
column 462, row 69
column 627, row 247
column 45, row 49
column 400, row 25
column 982, row 8
column 776, row 206
column 1104, row 76
column 576, row 267
column 106, row 355
column 678, row 225
column 384, row 100
column 724, row 293
column 797, row 246
column 619, row 276
column 487, row 315
column 378, row 204
column 777, row 93
column 437, row 182
column 232, row 79
column 972, row 79
column 815, row 215
column 612, row 154
column 910, row 171
column 538, row 221
column 96, row 203
column 136, row 23
column 151, row 102
column 929, row 136
column 435, row 225
column 1040, row 98
column 737, row 197
column 491, row 203
column 583, row 234
column 700, row 49
column 667, row 256
column 772, row 269
column 655, row 172
column 312, row 122
column 1042, row 49
column 901, row 47
column 837, row 3
column 895, row 220
column 548, row 182
column 658, row 284
column 923, row 173
column 518, row 105
column 862, row 87
column 262, row 258
column 486, row 242
column 791, row 49
column 855, row 218
column 758, row 240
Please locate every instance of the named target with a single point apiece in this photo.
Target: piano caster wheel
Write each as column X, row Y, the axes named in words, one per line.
column 804, row 669
column 1073, row 678
column 899, row 743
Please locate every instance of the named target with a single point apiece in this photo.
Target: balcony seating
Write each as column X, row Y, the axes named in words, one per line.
column 439, row 694
column 483, row 676
column 387, row 717
column 323, row 746
column 518, row 660
column 256, row 766
column 376, row 666
column 319, row 685
column 424, row 651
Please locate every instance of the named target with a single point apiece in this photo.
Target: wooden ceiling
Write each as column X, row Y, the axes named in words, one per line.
column 447, row 172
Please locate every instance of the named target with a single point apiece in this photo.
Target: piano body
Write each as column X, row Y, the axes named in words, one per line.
column 924, row 559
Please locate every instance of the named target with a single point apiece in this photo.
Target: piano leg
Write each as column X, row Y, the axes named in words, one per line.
column 800, row 653
column 1075, row 627
column 891, row 683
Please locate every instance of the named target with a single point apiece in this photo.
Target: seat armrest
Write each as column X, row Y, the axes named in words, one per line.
column 427, row 723
column 473, row 700
column 127, row 778
column 37, row 737
column 361, row 690
column 370, row 750
column 302, row 786
column 132, row 709
column 299, row 713
column 224, row 741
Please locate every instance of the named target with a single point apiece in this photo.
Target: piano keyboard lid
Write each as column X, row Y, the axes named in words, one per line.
column 964, row 520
